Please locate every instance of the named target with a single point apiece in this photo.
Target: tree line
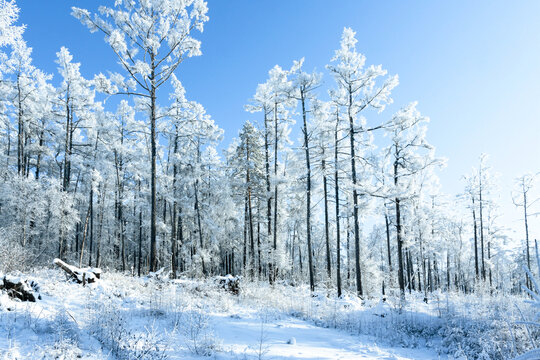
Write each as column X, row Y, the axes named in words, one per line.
column 143, row 186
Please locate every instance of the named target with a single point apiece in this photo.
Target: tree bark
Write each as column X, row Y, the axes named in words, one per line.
column 356, row 220
column 397, row 201
column 308, row 194
column 250, row 213
column 482, row 225
column 273, row 271
column 336, row 188
column 388, row 247
column 153, row 208
column 326, row 224
column 475, row 239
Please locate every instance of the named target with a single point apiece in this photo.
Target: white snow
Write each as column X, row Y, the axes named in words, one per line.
column 310, row 341
column 121, row 317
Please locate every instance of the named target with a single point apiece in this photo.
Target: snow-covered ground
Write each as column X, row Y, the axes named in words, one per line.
column 124, row 317
column 291, row 338
column 121, row 317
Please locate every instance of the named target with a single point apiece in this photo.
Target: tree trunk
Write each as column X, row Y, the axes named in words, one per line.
column 180, row 235
column 153, row 209
column 482, row 227
column 527, row 236
column 388, row 248
column 250, row 214
column 308, row 195
column 139, row 262
column 20, row 134
column 273, row 272
column 267, row 168
column 91, row 245
column 174, row 247
column 475, row 239
column 244, row 262
column 38, row 160
column 326, row 225
column 199, row 224
column 259, row 237
column 356, row 220
column 336, row 188
column 397, row 201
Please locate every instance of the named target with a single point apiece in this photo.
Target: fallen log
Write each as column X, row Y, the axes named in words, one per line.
column 79, row 275
column 229, row 283
column 20, row 289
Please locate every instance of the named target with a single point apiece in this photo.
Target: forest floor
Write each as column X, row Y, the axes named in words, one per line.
column 121, row 317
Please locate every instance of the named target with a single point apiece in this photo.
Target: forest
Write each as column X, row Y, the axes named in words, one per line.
column 322, row 189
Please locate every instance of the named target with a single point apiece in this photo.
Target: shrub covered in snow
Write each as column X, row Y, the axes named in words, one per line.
column 132, row 318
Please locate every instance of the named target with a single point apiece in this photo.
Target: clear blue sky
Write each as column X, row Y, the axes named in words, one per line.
column 474, row 66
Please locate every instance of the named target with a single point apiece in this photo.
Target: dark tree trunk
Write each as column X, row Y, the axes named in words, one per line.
column 336, row 188
column 418, row 274
column 199, row 224
column 267, row 168
column 348, row 251
column 527, row 236
column 481, row 226
column 273, row 271
column 174, row 246
column 91, row 245
column 244, row 259
column 308, row 195
column 139, row 262
column 388, row 247
column 475, row 239
column 356, row 220
column 180, row 235
column 250, row 214
column 259, row 263
column 326, row 225
column 447, row 271
column 409, row 271
column 153, row 137
column 38, row 160
column 397, row 201
column 20, row 133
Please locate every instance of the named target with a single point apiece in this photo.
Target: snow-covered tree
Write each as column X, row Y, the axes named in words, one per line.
column 358, row 89
column 302, row 91
column 410, row 155
column 521, row 198
column 150, row 39
column 9, row 14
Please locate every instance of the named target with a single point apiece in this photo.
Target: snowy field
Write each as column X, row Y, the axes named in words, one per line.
column 128, row 318
column 121, row 317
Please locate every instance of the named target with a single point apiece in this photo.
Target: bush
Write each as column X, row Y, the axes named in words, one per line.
column 200, row 339
column 110, row 326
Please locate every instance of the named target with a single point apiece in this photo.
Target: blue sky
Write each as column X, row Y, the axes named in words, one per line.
column 474, row 66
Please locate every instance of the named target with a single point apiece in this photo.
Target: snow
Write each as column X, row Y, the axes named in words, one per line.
column 292, row 338
column 120, row 317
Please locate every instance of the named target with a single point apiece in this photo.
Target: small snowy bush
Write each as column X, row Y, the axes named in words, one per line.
column 534, row 293
column 13, row 255
column 199, row 337
column 60, row 350
column 65, row 327
column 110, row 325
